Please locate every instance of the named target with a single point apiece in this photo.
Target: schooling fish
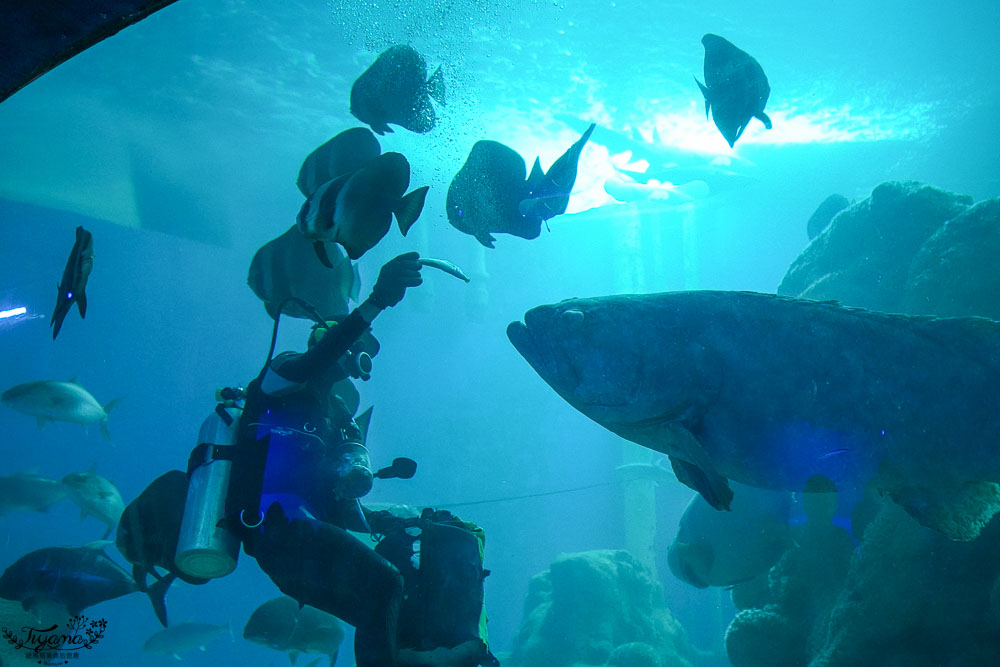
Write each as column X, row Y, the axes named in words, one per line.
column 147, row 537
column 395, row 89
column 73, row 577
column 485, row 194
column 346, row 152
column 283, row 625
column 72, row 288
column 735, row 88
column 50, row 400
column 27, row 491
column 287, row 267
column 183, row 637
column 548, row 192
column 96, row 497
column 734, row 385
column 356, row 209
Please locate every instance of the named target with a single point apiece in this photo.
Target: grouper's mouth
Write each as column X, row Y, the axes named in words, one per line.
column 552, row 361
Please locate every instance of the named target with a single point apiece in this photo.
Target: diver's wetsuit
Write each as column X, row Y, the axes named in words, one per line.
column 302, row 543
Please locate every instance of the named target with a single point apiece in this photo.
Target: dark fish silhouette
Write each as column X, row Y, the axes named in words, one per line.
column 395, row 89
column 683, row 373
column 39, row 35
column 147, row 537
column 356, row 209
column 183, row 637
column 287, row 266
column 74, row 280
column 27, row 491
column 283, row 625
column 346, row 152
column 485, row 194
column 735, row 88
column 73, row 577
column 824, row 214
column 548, row 192
column 490, row 194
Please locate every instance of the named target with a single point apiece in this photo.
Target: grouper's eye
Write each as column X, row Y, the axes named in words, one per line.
column 572, row 319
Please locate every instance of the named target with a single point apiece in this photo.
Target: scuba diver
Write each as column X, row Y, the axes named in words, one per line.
column 299, row 468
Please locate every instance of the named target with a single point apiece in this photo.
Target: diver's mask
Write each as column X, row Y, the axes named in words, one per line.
column 353, row 470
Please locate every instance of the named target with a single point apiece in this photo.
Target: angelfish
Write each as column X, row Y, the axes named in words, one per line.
column 356, row 209
column 71, row 289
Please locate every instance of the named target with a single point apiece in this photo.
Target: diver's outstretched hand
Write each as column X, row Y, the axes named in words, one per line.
column 396, row 275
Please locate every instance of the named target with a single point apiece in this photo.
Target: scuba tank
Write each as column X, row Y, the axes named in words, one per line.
column 205, row 547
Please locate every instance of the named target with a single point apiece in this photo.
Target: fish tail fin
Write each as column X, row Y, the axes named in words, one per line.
column 157, row 592
column 435, row 86
column 104, row 422
column 81, row 299
column 764, row 119
column 590, row 130
column 409, row 208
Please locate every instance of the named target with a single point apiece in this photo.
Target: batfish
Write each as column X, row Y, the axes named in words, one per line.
column 72, row 288
column 489, row 194
column 735, row 88
column 395, row 89
column 72, row 577
column 50, row 400
column 147, row 537
column 356, row 209
column 485, row 194
column 548, row 192
column 288, row 267
column 772, row 391
column 346, row 152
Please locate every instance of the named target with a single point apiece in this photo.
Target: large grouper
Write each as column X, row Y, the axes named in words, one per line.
column 772, row 391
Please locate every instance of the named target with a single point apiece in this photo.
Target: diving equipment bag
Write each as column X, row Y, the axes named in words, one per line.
column 441, row 560
column 206, row 548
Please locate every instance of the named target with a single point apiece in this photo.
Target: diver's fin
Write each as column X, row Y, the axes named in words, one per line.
column 435, row 86
column 363, row 420
column 764, row 119
column 156, row 594
column 704, row 91
column 324, row 258
column 960, row 513
column 409, row 208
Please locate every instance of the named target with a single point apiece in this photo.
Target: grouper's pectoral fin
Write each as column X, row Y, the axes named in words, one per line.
column 695, row 469
column 713, row 487
column 959, row 513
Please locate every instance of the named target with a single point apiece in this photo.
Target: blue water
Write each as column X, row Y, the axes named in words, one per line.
column 177, row 143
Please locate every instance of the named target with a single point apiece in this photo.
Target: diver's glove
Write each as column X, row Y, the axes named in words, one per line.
column 396, row 275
